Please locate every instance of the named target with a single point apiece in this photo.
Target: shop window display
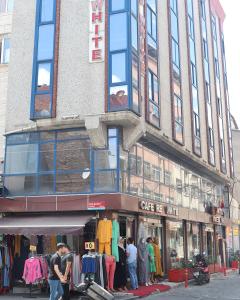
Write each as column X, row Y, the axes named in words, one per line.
column 193, row 240
column 175, row 247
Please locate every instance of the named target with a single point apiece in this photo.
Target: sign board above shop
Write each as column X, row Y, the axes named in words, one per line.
column 96, row 31
column 158, row 208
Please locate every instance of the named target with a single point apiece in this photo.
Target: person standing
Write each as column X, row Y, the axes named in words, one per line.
column 120, row 278
column 66, row 264
column 56, row 277
column 132, row 263
column 151, row 261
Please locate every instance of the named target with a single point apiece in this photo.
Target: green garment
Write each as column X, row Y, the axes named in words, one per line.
column 151, row 258
column 115, row 238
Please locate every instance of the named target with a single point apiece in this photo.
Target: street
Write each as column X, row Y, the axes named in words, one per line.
column 220, row 288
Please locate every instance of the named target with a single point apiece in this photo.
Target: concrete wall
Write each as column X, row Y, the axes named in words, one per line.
column 5, row 29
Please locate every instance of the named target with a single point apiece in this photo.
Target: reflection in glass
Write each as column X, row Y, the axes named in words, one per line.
column 20, row 185
column 44, row 76
column 46, row 42
column 105, row 181
column 118, row 67
column 118, row 97
column 134, row 33
column 6, row 51
column 43, row 106
column 118, row 5
column 46, row 157
column 118, row 38
column 47, row 10
column 72, row 183
column 134, row 4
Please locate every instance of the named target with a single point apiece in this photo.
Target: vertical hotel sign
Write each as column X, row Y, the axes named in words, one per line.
column 96, row 31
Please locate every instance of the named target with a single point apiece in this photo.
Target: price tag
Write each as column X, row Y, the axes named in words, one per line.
column 89, row 246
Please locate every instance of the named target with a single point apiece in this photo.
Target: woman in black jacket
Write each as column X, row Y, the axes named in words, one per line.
column 120, row 278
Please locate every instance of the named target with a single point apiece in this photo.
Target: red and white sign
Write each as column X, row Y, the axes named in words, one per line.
column 96, row 31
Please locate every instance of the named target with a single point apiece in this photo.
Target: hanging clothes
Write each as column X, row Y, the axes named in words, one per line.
column 151, row 259
column 53, row 243
column 158, row 262
column 115, row 238
column 17, row 245
column 32, row 271
column 104, row 235
column 110, row 267
column 143, row 262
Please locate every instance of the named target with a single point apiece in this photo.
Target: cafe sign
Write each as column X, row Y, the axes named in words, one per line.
column 158, row 208
column 96, row 31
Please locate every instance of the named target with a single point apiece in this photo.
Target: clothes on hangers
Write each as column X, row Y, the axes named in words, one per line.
column 104, row 236
column 115, row 238
column 32, row 270
column 111, row 267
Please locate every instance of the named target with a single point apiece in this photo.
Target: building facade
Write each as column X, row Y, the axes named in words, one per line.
column 6, row 8
column 122, row 110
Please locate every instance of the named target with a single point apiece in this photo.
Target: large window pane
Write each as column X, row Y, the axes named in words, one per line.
column 47, row 10
column 134, row 4
column 105, row 181
column 72, row 183
column 118, row 38
column 46, row 157
column 46, row 42
column 5, row 51
column 107, row 159
column 134, row 33
column 73, row 155
column 118, row 4
column 10, row 4
column 42, row 108
column 20, row 185
column 152, row 4
column 46, row 184
column 21, row 159
column 44, row 77
column 118, row 67
column 119, row 97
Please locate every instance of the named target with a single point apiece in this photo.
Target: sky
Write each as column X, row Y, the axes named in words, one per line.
column 232, row 45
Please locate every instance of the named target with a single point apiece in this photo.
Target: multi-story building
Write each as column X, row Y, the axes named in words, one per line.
column 6, row 7
column 119, row 109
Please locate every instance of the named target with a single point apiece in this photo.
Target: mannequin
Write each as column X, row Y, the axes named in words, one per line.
column 151, row 261
column 104, row 236
column 143, row 262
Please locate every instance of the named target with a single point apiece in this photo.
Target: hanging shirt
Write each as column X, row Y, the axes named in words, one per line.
column 32, row 270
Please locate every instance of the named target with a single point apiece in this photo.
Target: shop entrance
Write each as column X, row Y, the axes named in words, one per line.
column 127, row 226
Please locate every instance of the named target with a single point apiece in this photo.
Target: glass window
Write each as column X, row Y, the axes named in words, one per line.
column 72, row 183
column 46, row 157
column 20, row 185
column 174, row 26
column 118, row 5
column 173, row 5
column 106, row 159
column 134, row 33
column 118, row 97
column 118, row 67
column 10, row 4
column 42, row 106
column 195, row 100
column 134, row 4
column 4, row 50
column 175, row 54
column 46, row 42
column 47, row 10
column 44, row 77
column 73, row 155
column 46, row 184
column 152, row 4
column 118, row 38
column 105, row 181
column 21, row 159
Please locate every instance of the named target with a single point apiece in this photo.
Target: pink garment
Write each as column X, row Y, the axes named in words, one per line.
column 44, row 268
column 110, row 267
column 32, row 270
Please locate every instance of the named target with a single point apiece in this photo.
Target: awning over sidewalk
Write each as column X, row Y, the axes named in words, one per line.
column 43, row 224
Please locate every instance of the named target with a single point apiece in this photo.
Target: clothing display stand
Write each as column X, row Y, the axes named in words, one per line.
column 30, row 292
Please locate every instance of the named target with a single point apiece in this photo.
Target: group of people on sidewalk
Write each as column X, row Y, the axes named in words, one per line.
column 142, row 263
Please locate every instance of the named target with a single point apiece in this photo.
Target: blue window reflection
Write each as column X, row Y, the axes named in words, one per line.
column 118, row 5
column 118, row 38
column 47, row 10
column 46, row 42
column 44, row 77
column 118, row 67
